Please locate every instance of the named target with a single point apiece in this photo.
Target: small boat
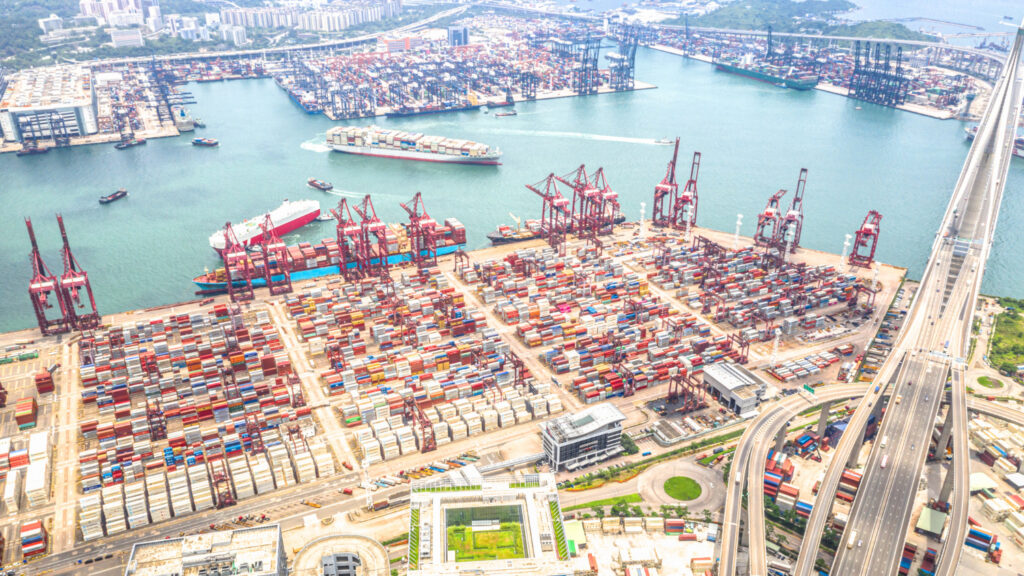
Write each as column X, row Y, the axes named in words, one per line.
column 125, row 144
column 30, row 150
column 207, row 142
column 198, row 123
column 324, row 217
column 319, row 184
column 665, row 141
column 1007, row 17
column 503, row 114
column 112, row 197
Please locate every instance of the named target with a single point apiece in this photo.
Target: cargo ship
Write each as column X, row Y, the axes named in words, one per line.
column 532, row 230
column 125, row 144
column 285, row 218
column 31, row 150
column 112, row 197
column 206, row 142
column 1018, row 142
column 323, row 259
column 319, row 184
column 428, row 109
column 769, row 73
column 374, row 141
column 504, row 114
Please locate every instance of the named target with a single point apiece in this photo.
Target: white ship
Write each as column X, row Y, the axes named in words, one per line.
column 374, row 141
column 285, row 218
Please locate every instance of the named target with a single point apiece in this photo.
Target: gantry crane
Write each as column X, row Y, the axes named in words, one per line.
column 864, row 246
column 787, row 233
column 42, row 284
column 422, row 233
column 349, row 235
column 277, row 269
column 665, row 194
column 556, row 216
column 685, row 209
column 372, row 256
column 238, row 267
column 768, row 221
column 72, row 282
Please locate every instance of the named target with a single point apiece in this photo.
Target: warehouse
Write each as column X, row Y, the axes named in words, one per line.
column 42, row 103
column 252, row 551
column 735, row 386
column 577, row 440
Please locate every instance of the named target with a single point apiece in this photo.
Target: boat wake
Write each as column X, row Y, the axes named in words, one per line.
column 315, row 146
column 581, row 136
column 344, row 193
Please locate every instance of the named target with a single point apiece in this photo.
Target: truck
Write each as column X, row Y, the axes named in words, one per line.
column 853, row 538
column 346, row 491
column 885, row 440
column 646, row 454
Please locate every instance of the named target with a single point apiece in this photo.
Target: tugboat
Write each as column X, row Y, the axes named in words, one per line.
column 198, row 123
column 503, row 114
column 664, row 142
column 30, row 150
column 206, row 142
column 112, row 197
column 324, row 217
column 319, row 184
column 125, row 144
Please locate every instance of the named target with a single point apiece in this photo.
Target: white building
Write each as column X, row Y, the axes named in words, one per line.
column 735, row 386
column 40, row 100
column 50, row 23
column 129, row 38
column 583, row 438
column 233, row 34
column 255, row 551
column 154, row 20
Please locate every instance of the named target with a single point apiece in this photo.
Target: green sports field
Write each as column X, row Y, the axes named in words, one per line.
column 470, row 546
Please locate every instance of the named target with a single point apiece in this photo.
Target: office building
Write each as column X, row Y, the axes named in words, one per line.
column 584, row 438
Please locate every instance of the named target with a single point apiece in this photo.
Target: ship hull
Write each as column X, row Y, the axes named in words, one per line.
column 281, row 230
column 414, row 155
column 308, row 274
column 794, row 83
column 497, row 239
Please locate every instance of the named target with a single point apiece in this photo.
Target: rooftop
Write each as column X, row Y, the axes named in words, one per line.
column 732, row 376
column 255, row 548
column 51, row 87
column 580, row 424
column 931, row 521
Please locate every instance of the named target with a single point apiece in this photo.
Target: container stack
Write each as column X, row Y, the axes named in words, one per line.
column 180, row 497
column 34, row 540
column 457, row 429
column 135, row 504
column 321, row 457
column 370, row 446
column 25, row 413
column 89, row 516
column 113, row 509
column 849, row 482
column 156, row 491
column 5, row 456
column 281, row 464
column 262, row 474
column 37, row 484
column 39, row 447
column 241, row 477
column 12, row 491
column 305, row 467
column 388, row 445
column 199, row 479
column 44, row 382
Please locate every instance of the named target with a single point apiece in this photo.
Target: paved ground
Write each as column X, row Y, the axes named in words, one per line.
column 652, row 485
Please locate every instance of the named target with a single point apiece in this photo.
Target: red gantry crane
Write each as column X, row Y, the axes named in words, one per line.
column 864, row 246
column 422, row 233
column 665, row 194
column 685, row 208
column 238, row 267
column 42, row 284
column 555, row 217
column 787, row 233
column 349, row 234
column 768, row 221
column 72, row 282
column 277, row 264
column 372, row 256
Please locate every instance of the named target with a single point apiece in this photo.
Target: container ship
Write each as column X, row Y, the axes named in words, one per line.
column 125, row 144
column 205, row 142
column 319, row 184
column 765, row 72
column 113, row 197
column 530, row 231
column 374, row 141
column 285, row 218
column 323, row 259
column 1018, row 142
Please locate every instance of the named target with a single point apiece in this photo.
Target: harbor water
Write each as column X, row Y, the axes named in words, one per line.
column 144, row 250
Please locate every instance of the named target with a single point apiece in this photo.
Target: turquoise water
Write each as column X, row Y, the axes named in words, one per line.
column 144, row 250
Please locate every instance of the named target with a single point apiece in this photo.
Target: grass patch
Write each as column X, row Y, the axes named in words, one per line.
column 682, row 488
column 1006, row 347
column 712, row 457
column 628, row 499
column 475, row 545
column 989, row 382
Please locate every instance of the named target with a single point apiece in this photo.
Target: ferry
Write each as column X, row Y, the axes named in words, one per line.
column 319, row 184
column 206, row 142
column 318, row 260
column 125, row 144
column 504, row 114
column 122, row 193
column 374, row 141
column 285, row 218
column 1018, row 143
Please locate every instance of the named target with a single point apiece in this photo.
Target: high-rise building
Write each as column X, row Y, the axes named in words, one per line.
column 584, row 438
column 458, row 36
column 51, row 23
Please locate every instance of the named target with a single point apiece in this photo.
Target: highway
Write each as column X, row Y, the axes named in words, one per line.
column 929, row 351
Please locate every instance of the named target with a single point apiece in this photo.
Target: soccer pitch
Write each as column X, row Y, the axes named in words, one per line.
column 503, row 543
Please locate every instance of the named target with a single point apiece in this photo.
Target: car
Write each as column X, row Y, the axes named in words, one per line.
column 860, row 543
column 925, row 397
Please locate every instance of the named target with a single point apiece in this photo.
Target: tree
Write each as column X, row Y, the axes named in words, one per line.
column 636, row 511
column 629, row 445
column 707, row 516
column 598, row 511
